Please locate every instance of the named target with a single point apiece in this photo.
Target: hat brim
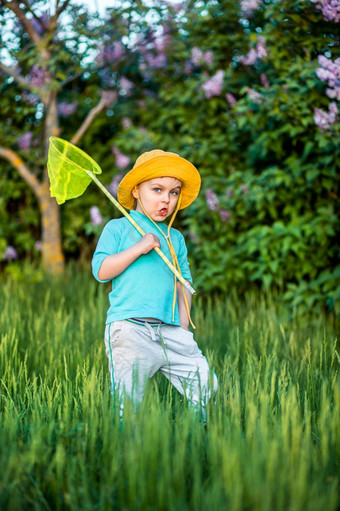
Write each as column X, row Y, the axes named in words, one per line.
column 161, row 166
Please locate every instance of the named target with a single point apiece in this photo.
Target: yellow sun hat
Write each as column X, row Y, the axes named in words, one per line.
column 158, row 163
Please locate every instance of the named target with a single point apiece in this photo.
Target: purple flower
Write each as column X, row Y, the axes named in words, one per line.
column 107, row 78
column 261, row 48
column 333, row 109
column 126, row 122
column 10, row 253
column 244, row 189
column 264, row 81
column 212, row 200
column 333, row 93
column 40, row 23
column 30, row 98
column 37, row 77
column 67, row 109
column 154, row 61
column 126, row 86
column 324, row 74
column 330, row 72
column 208, row 57
column 38, row 245
column 111, row 53
column 249, row 6
column 254, row 96
column 259, row 52
column 193, row 237
column 198, row 57
column 229, row 192
column 213, row 86
column 163, row 41
column 113, row 186
column 225, row 215
column 250, row 58
column 122, row 161
column 95, row 215
column 188, row 67
column 231, row 100
column 329, row 8
column 24, row 142
column 176, row 7
column 325, row 120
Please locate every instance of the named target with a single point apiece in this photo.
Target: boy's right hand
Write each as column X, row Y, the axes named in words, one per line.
column 148, row 242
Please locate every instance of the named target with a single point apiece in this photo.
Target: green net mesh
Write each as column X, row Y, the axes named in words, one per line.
column 66, row 167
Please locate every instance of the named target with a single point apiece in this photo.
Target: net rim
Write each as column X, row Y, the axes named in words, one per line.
column 67, row 143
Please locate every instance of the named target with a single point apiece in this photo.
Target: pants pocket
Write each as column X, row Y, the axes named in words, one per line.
column 114, row 335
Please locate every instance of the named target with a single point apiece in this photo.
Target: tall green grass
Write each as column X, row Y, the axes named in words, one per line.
column 272, row 441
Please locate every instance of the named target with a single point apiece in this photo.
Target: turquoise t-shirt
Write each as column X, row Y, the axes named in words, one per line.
column 145, row 289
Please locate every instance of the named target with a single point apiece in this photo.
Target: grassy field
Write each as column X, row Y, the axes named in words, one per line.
column 272, row 441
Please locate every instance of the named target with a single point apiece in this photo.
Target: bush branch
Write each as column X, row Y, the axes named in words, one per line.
column 21, row 167
column 104, row 102
column 10, row 71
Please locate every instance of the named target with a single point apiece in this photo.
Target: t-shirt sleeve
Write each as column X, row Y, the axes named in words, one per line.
column 182, row 257
column 108, row 244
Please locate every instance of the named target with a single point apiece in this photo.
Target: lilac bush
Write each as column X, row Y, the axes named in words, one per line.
column 10, row 253
column 113, row 186
column 66, row 109
column 25, row 141
column 38, row 245
column 225, row 215
column 199, row 57
column 213, row 86
column 111, row 53
column 37, row 77
column 325, row 120
column 255, row 54
column 211, row 200
column 249, row 6
column 254, row 96
column 329, row 72
column 264, row 81
column 95, row 216
column 126, row 86
column 121, row 160
column 231, row 100
column 329, row 8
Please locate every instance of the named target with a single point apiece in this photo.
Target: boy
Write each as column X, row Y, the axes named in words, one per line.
column 144, row 333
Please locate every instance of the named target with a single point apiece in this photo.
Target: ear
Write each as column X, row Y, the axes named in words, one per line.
column 135, row 192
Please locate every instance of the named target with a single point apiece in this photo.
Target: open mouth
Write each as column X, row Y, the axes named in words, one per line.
column 163, row 211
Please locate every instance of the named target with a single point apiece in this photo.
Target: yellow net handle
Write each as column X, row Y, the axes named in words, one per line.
column 140, row 230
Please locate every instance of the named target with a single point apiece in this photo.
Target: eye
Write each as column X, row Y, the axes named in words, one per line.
column 175, row 192
column 156, row 189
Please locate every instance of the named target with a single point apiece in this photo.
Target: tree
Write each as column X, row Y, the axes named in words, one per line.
column 43, row 62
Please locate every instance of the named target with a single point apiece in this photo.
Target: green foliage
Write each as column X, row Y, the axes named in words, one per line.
column 272, row 439
column 274, row 172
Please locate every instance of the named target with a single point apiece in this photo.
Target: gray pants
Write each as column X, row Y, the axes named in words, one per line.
column 137, row 351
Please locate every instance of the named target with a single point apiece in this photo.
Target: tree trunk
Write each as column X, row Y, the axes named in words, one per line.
column 52, row 254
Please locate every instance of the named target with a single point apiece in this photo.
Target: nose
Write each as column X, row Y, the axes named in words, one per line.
column 166, row 197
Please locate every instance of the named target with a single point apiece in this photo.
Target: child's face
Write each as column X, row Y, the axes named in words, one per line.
column 159, row 197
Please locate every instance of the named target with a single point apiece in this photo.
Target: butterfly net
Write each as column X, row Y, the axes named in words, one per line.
column 66, row 167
